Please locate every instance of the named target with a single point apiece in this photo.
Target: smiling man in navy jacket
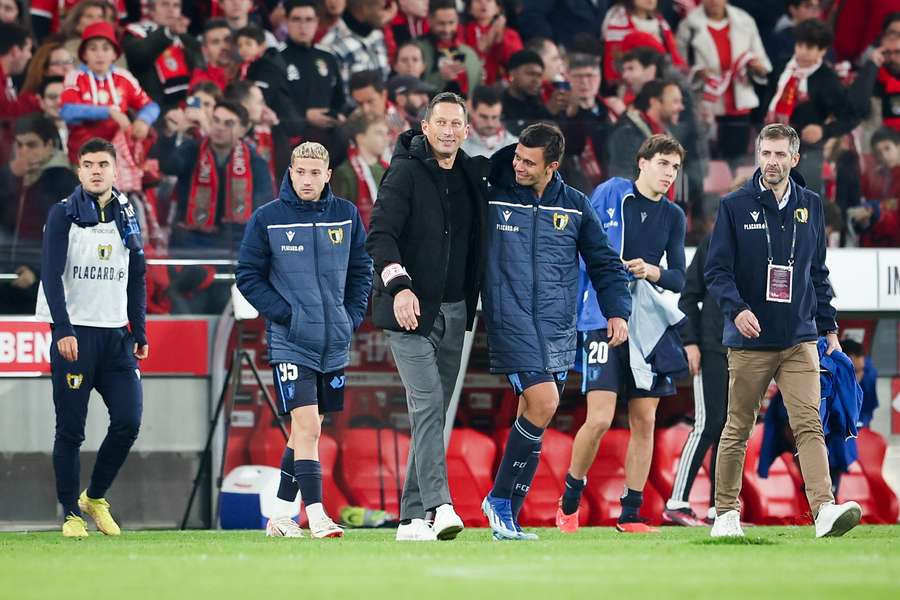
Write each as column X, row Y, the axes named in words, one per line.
column 766, row 270
column 303, row 265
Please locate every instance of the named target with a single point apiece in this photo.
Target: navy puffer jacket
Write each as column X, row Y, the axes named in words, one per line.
column 532, row 279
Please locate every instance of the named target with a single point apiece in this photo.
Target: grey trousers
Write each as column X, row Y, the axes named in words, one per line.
column 428, row 367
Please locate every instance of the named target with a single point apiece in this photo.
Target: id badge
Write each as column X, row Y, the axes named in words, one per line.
column 779, row 283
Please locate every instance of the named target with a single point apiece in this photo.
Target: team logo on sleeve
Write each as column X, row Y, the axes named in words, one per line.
column 336, row 235
column 801, row 215
column 104, row 251
column 560, row 220
column 73, row 380
column 338, row 382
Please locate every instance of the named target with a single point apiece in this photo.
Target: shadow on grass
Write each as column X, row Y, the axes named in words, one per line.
column 735, row 541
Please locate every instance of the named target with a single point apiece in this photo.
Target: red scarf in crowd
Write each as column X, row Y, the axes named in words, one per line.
column 366, row 187
column 792, row 90
column 891, row 87
column 204, row 194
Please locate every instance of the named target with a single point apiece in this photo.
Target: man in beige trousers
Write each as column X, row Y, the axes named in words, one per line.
column 766, row 269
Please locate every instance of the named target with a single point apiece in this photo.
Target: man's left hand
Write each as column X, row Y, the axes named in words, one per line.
column 617, row 328
column 141, row 352
column 643, row 270
column 833, row 343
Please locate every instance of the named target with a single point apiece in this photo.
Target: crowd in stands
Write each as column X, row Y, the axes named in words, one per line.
column 204, row 102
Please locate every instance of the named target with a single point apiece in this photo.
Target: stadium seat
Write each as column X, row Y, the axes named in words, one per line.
column 373, row 467
column 543, row 498
column 719, row 177
column 667, row 447
column 470, row 463
column 775, row 500
column 872, row 447
column 606, row 483
column 855, row 486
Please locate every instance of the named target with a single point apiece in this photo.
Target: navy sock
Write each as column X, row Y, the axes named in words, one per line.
column 287, row 487
column 631, row 504
column 572, row 495
column 522, row 439
column 523, row 483
column 309, row 480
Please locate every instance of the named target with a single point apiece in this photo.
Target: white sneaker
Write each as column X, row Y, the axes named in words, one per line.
column 834, row 520
column 325, row 528
column 416, row 531
column 447, row 524
column 283, row 527
column 727, row 525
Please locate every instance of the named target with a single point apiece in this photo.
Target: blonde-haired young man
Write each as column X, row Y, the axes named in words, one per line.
column 303, row 265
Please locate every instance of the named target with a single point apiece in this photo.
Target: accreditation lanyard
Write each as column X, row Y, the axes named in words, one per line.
column 779, row 278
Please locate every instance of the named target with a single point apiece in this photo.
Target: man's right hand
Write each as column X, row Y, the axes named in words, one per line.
column 693, row 358
column 318, row 118
column 406, row 309
column 68, row 348
column 617, row 329
column 120, row 118
column 747, row 324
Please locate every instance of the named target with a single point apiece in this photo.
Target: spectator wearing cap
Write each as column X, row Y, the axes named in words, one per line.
column 98, row 97
column 161, row 54
column 221, row 179
column 727, row 54
column 357, row 178
column 410, row 60
column 368, row 91
column 79, row 16
column 313, row 75
column 410, row 95
column 356, row 40
column 487, row 33
column 487, row 133
column 812, row 99
column 217, row 48
column 630, row 17
column 522, row 104
column 561, row 20
column 450, row 65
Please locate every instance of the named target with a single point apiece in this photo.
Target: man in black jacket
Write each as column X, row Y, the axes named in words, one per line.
column 702, row 337
column 427, row 237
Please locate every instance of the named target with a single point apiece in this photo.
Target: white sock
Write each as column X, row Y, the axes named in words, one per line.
column 283, row 508
column 672, row 504
column 315, row 512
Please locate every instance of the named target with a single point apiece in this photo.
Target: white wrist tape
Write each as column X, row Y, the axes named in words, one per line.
column 393, row 271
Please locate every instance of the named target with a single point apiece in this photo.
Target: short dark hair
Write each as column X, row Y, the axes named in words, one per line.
column 217, row 23
column 813, row 32
column 363, row 79
column 660, row 144
column 436, row 5
column 238, row 90
column 889, row 19
column 237, row 109
column 646, row 56
column 652, row 89
column 446, row 98
column 290, row 5
column 779, row 131
column 48, row 81
column 359, row 122
column 885, row 134
column 849, row 346
column 486, row 94
column 40, row 125
column 97, row 145
column 536, row 44
column 547, row 136
column 12, row 35
column 252, row 32
column 580, row 60
column 206, row 87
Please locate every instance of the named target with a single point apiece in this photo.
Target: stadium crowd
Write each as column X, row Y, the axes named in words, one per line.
column 204, row 102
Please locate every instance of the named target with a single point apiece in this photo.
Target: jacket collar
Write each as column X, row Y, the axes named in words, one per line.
column 767, row 197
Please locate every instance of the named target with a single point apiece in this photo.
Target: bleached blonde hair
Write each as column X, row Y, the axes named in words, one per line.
column 310, row 150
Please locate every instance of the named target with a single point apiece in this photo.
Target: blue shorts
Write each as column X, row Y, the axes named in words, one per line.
column 297, row 386
column 526, row 379
column 608, row 369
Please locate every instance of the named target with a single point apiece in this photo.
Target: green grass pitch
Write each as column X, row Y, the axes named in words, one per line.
column 772, row 562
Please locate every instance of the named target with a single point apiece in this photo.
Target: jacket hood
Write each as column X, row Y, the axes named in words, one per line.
column 288, row 195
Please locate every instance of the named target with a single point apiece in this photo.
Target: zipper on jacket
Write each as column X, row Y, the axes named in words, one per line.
column 321, row 293
column 534, row 286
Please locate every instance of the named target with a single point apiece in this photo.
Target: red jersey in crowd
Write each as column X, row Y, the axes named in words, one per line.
column 495, row 57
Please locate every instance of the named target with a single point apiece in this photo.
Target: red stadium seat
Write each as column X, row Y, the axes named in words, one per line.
column 855, row 486
column 470, row 463
column 543, row 498
column 872, row 448
column 373, row 467
column 719, row 178
column 775, row 500
column 606, row 483
column 667, row 447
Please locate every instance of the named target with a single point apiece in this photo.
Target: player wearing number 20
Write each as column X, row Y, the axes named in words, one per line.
column 304, row 267
column 642, row 226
